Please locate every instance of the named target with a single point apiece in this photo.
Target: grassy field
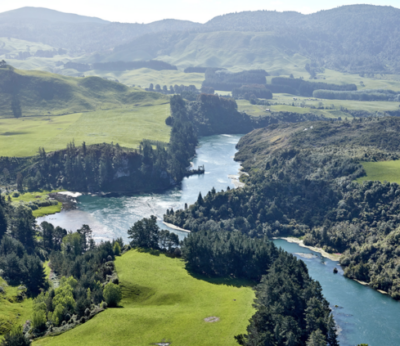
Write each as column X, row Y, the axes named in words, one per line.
column 44, row 93
column 286, row 103
column 381, row 171
column 126, row 126
column 28, row 197
column 144, row 76
column 12, row 311
column 161, row 300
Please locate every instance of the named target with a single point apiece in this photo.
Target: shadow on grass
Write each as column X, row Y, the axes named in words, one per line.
column 149, row 251
column 14, row 133
column 228, row 281
column 234, row 282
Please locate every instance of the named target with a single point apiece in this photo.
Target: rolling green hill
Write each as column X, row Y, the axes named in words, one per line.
column 43, row 93
column 58, row 109
column 161, row 300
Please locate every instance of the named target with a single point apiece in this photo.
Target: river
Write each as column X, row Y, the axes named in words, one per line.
column 362, row 314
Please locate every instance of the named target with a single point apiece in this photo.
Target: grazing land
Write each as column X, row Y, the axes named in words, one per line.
column 37, row 197
column 382, row 171
column 303, row 105
column 161, row 300
column 125, row 126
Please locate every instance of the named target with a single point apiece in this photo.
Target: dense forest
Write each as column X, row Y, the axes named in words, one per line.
column 290, row 308
column 108, row 167
column 301, row 183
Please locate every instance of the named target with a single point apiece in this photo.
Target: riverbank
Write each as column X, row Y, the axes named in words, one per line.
column 332, row 257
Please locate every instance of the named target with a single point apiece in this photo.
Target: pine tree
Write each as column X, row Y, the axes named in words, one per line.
column 316, row 339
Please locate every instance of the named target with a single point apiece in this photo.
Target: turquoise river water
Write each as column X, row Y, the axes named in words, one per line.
column 362, row 314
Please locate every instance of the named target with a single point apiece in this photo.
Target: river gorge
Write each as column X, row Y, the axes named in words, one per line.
column 362, row 314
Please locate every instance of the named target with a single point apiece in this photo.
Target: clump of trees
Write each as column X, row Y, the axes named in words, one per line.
column 228, row 254
column 252, row 91
column 146, row 234
column 227, row 81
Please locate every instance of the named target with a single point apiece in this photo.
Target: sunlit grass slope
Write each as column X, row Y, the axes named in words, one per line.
column 126, row 126
column 44, row 93
column 12, row 311
column 381, row 171
column 161, row 300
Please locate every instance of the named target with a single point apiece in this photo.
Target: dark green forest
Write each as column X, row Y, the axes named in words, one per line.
column 301, row 183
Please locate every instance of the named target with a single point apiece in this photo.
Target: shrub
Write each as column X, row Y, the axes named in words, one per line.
column 39, row 319
column 15, row 338
column 15, row 194
column 112, row 294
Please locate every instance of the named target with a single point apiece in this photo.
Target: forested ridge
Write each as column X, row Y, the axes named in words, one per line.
column 301, row 183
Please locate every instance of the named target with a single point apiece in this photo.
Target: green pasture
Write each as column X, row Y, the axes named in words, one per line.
column 126, row 126
column 12, row 311
column 302, row 105
column 27, row 197
column 382, row 171
column 144, row 76
column 161, row 300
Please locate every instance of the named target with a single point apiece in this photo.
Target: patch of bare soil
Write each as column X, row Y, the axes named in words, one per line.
column 211, row 319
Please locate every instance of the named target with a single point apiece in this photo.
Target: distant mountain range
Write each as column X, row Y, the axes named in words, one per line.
column 356, row 38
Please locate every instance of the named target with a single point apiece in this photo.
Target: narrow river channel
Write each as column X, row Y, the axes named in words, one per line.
column 362, row 314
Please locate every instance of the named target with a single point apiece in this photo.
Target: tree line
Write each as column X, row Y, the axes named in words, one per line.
column 227, row 81
column 363, row 95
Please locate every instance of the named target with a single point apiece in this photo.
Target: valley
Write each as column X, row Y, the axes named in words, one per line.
column 191, row 151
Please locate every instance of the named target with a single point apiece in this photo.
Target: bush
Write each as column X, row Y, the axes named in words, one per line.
column 15, row 194
column 112, row 294
column 39, row 319
column 15, row 338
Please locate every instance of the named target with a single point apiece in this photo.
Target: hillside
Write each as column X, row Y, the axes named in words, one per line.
column 45, row 14
column 43, row 93
column 356, row 38
column 163, row 301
